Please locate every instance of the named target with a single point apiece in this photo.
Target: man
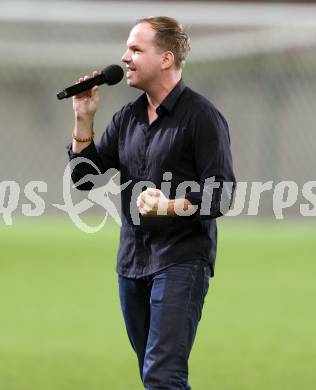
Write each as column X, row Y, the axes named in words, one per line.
column 169, row 138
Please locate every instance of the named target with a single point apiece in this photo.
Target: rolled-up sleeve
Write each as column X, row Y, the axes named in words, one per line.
column 103, row 155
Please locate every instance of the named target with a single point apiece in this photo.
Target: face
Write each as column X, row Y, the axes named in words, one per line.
column 142, row 57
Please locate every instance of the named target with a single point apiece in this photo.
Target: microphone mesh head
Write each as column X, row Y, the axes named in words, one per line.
column 113, row 74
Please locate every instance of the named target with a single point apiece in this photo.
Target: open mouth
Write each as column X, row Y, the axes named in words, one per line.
column 130, row 70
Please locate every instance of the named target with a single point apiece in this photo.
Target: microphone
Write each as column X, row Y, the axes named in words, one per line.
column 110, row 75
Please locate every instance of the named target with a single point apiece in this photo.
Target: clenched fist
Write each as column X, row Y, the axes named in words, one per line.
column 152, row 202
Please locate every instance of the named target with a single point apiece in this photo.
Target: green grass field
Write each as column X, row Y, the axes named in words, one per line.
column 61, row 327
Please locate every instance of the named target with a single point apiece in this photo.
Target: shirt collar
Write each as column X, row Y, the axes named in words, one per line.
column 168, row 103
column 170, row 100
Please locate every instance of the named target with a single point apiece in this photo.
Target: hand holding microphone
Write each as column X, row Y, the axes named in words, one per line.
column 85, row 102
column 85, row 91
column 85, row 105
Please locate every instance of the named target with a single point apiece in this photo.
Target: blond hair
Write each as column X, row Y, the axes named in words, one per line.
column 170, row 35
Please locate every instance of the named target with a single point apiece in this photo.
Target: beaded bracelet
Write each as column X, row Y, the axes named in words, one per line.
column 83, row 139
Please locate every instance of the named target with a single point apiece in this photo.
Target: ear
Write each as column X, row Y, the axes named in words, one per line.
column 167, row 60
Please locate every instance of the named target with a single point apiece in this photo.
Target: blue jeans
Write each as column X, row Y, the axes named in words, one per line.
column 161, row 314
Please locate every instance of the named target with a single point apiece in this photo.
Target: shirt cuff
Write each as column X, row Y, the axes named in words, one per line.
column 89, row 152
column 212, row 205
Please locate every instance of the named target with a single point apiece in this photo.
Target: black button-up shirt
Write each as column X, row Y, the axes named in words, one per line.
column 190, row 141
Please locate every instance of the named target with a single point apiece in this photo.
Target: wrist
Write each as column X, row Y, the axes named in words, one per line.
column 171, row 208
column 83, row 121
column 83, row 128
column 85, row 138
column 180, row 207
